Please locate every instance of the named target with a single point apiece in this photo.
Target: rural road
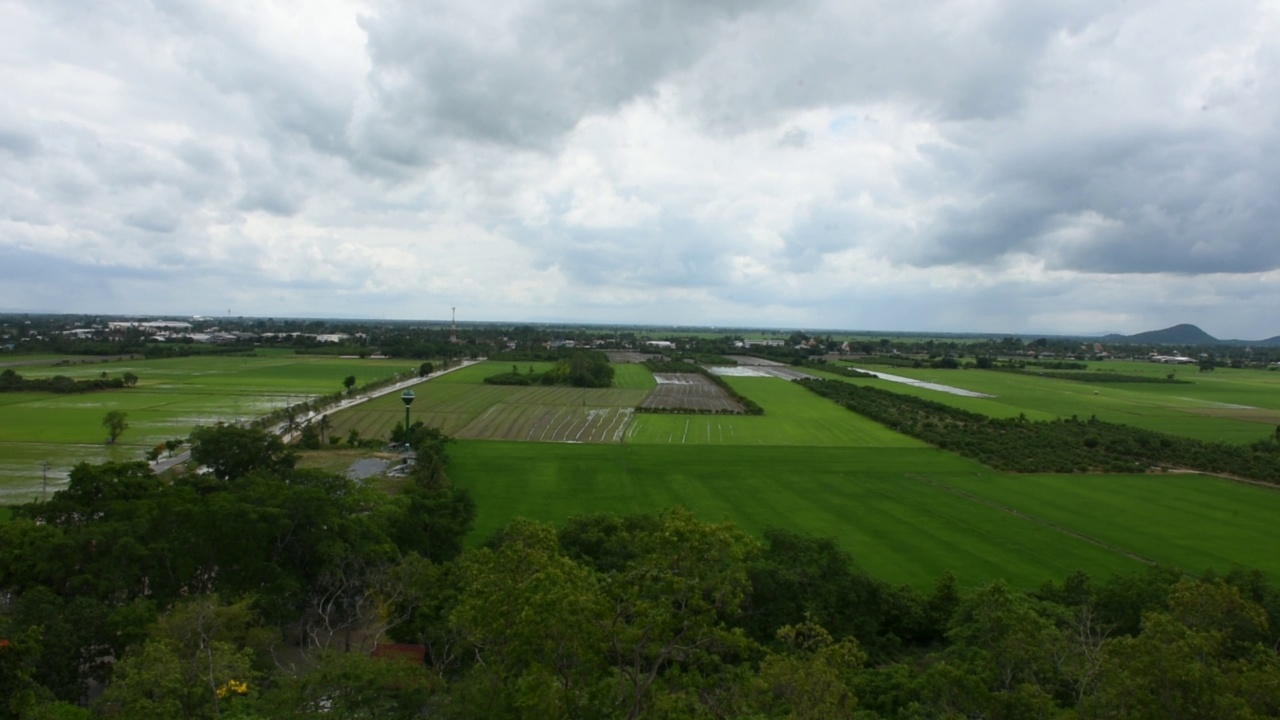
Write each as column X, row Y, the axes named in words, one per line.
column 161, row 466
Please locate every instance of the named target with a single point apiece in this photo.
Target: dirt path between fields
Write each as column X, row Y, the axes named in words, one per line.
column 1232, row 478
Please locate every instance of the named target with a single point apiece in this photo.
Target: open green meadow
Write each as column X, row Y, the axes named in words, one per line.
column 1237, row 406
column 172, row 397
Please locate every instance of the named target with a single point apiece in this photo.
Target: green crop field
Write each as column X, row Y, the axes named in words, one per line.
column 440, row 403
column 558, row 414
column 793, row 416
column 460, row 404
column 1192, row 521
column 905, row 511
column 906, row 515
column 172, row 397
column 476, row 374
column 1237, row 406
column 898, row 528
column 632, row 376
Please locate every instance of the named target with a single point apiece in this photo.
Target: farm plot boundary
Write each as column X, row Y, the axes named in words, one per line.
column 689, row 392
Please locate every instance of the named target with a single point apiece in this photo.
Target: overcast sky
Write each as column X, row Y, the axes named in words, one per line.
column 994, row 166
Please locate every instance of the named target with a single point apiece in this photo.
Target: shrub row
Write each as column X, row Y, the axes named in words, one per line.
column 11, row 381
column 1063, row 445
column 1100, row 377
column 690, row 411
column 844, row 370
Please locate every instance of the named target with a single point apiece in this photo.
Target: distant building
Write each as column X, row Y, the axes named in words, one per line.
column 152, row 327
column 1174, row 359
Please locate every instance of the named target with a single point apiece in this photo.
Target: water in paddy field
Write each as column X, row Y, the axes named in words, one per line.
column 22, row 463
column 22, row 468
column 926, row 385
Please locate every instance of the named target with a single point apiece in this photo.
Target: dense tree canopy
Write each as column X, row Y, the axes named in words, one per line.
column 259, row 592
column 11, row 381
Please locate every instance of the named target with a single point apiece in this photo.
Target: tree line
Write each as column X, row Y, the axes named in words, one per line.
column 11, row 381
column 1099, row 377
column 580, row 368
column 1058, row 446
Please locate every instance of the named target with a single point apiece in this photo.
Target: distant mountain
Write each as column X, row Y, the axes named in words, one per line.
column 1176, row 335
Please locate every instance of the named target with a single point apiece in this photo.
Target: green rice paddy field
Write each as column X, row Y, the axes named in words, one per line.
column 793, row 416
column 905, row 511
column 172, row 397
column 1237, row 406
column 898, row 528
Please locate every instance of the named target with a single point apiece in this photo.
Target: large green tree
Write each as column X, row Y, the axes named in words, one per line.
column 231, row 451
column 116, row 422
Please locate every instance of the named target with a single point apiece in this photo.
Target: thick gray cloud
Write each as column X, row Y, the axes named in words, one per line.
column 522, row 73
column 996, row 165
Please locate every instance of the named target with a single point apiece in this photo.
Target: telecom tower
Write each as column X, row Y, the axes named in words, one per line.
column 453, row 326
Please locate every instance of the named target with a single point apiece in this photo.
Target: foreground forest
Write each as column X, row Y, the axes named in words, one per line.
column 259, row 590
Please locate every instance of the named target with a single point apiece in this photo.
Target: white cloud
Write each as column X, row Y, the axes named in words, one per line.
column 991, row 165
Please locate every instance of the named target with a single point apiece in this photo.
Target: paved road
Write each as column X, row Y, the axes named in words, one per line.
column 162, row 465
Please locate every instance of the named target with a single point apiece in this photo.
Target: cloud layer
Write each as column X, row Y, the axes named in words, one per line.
column 990, row 166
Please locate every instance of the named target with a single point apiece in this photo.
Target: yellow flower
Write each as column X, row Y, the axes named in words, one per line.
column 233, row 686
